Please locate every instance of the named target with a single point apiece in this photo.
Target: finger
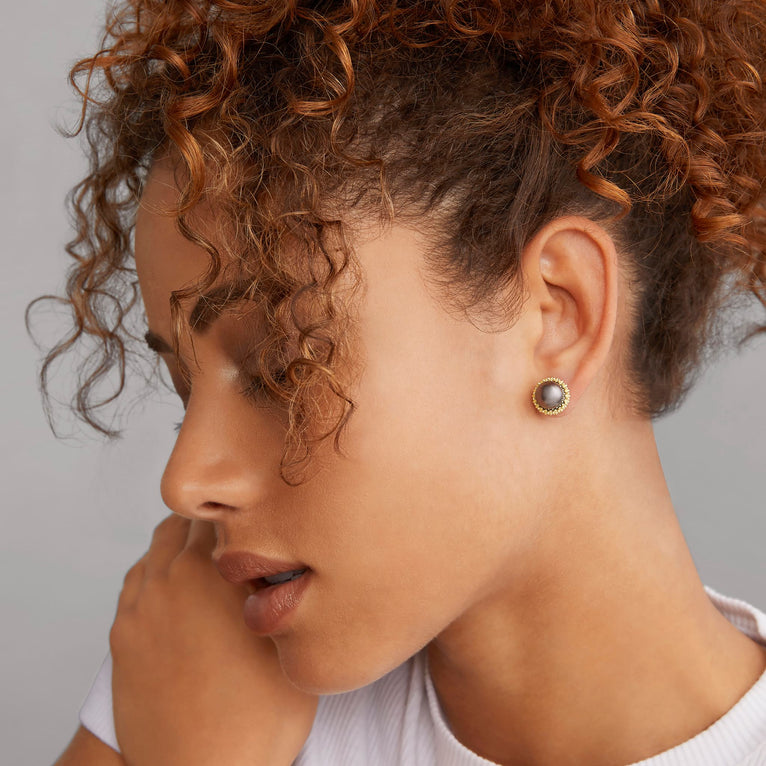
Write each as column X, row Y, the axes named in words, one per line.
column 202, row 538
column 168, row 541
column 131, row 585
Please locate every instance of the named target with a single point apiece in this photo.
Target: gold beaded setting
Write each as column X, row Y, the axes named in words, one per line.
column 564, row 402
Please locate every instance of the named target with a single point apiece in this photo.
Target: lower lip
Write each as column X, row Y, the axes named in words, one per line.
column 268, row 609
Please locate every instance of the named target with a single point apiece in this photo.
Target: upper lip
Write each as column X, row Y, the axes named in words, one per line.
column 240, row 566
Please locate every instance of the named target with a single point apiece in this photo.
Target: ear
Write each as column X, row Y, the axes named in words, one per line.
column 571, row 273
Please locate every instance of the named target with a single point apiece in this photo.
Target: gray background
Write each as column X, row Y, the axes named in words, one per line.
column 78, row 512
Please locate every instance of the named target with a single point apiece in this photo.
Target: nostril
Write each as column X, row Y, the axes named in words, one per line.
column 213, row 506
column 207, row 474
column 179, row 491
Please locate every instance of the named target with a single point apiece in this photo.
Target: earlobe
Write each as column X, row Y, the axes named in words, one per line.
column 571, row 272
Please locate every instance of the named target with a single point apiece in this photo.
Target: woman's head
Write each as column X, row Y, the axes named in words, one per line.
column 475, row 122
column 445, row 493
column 402, row 217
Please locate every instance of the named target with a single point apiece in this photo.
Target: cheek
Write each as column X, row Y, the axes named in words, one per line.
column 432, row 470
column 405, row 564
column 410, row 541
column 438, row 439
column 417, row 524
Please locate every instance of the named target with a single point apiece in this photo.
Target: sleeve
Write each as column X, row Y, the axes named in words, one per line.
column 96, row 712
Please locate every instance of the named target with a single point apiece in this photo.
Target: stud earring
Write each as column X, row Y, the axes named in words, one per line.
column 551, row 396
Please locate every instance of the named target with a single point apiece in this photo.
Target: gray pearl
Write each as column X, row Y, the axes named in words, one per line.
column 550, row 395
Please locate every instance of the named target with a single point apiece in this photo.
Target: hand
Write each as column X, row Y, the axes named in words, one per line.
column 191, row 684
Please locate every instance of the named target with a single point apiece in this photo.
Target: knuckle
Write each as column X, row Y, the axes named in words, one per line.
column 168, row 524
column 125, row 602
column 134, row 576
column 117, row 635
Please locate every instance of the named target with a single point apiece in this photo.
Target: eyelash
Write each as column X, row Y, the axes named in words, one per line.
column 254, row 389
column 256, row 386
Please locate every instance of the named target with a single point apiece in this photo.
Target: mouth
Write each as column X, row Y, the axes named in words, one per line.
column 272, row 581
column 255, row 571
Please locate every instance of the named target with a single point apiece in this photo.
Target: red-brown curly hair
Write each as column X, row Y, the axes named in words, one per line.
column 477, row 121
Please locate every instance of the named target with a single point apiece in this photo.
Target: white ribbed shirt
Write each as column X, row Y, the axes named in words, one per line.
column 398, row 720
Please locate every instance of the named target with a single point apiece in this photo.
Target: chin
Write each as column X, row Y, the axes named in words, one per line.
column 318, row 670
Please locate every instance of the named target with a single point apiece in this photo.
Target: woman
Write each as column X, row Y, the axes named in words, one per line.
column 422, row 275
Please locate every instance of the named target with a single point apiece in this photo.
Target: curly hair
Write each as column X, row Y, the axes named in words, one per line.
column 477, row 121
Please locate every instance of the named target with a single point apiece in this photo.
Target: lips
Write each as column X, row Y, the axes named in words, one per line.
column 243, row 567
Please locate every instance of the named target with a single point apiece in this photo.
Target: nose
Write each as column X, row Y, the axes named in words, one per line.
column 220, row 461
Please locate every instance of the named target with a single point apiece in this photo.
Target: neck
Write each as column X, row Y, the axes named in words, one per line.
column 601, row 646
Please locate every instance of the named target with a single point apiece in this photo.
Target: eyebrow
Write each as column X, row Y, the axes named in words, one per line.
column 200, row 319
column 206, row 310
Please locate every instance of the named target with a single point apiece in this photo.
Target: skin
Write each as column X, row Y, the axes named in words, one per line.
column 538, row 558
column 188, row 678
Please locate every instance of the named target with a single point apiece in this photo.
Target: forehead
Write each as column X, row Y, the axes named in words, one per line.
column 165, row 259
